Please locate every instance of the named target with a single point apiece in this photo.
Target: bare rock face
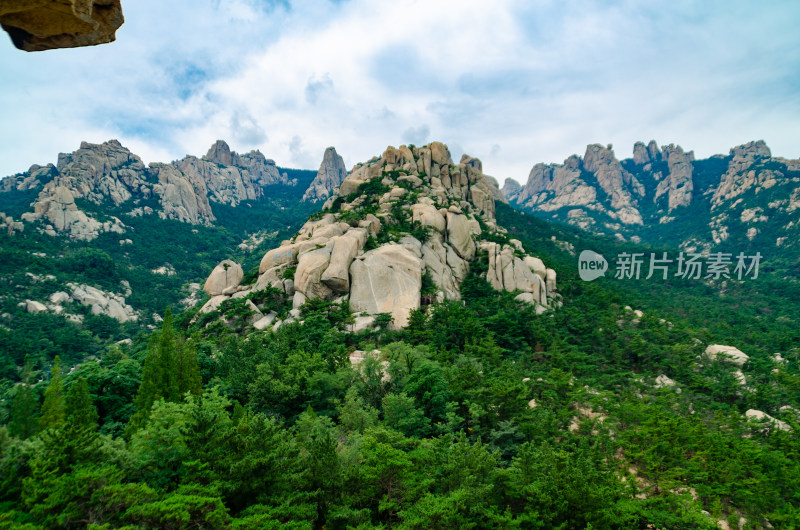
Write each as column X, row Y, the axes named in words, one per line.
column 229, row 177
column 678, row 185
column 219, row 153
column 740, row 178
column 511, row 190
column 36, row 25
column 60, row 210
column 181, row 198
column 554, row 186
column 387, row 280
column 640, row 154
column 620, row 186
column 332, row 172
column 597, row 182
column 431, row 215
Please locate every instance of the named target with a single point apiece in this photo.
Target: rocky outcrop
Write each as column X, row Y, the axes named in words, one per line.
column 740, row 176
column 646, row 198
column 430, row 215
column 497, row 195
column 597, row 182
column 620, row 186
column 102, row 302
column 63, row 215
column 109, row 174
column 678, row 185
column 554, row 186
column 511, row 190
column 332, row 172
column 36, row 25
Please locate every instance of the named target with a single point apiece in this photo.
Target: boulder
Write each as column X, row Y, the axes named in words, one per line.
column 37, row 25
column 310, row 268
column 32, row 306
column 536, row 265
column 550, row 278
column 726, row 354
column 213, row 303
column 361, row 323
column 59, row 297
column 265, row 321
column 102, row 302
column 387, row 279
column 225, row 276
column 764, row 418
column 428, row 215
column 345, row 249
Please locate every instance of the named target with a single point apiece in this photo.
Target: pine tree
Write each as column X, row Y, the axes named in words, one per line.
column 53, row 412
column 80, row 410
column 188, row 369
column 25, row 407
column 170, row 370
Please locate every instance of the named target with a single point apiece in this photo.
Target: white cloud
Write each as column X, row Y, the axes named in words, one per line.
column 541, row 79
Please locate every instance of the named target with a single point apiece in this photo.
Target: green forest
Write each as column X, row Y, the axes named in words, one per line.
column 479, row 414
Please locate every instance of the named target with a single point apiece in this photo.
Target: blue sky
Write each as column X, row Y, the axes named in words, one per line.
column 513, row 82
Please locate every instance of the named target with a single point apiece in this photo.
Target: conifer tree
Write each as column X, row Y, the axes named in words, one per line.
column 25, row 407
column 170, row 370
column 188, row 369
column 53, row 412
column 80, row 410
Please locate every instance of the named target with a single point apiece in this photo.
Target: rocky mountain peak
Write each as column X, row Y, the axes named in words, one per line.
column 511, row 189
column 402, row 231
column 219, row 153
column 332, row 172
column 645, row 154
column 751, row 150
column 678, row 184
column 732, row 198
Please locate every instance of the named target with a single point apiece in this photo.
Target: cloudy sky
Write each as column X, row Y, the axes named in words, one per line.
column 513, row 82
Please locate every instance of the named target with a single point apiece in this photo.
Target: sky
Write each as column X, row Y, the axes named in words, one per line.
column 512, row 82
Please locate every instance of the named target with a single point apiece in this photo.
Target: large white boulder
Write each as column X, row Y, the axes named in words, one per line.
column 32, row 306
column 226, row 275
column 727, row 354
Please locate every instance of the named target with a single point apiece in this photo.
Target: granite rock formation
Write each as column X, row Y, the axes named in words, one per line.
column 402, row 231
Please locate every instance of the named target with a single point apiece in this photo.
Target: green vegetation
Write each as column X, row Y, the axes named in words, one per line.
column 480, row 414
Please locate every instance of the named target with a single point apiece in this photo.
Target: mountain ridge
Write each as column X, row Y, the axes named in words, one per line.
column 665, row 196
column 110, row 174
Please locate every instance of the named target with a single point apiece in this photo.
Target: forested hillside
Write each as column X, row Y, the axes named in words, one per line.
column 481, row 413
column 157, row 263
